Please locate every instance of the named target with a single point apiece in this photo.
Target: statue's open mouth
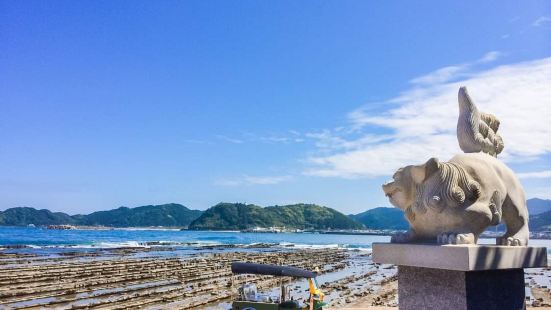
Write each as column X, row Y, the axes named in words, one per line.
column 389, row 194
column 389, row 189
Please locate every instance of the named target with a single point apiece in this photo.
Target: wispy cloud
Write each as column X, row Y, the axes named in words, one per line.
column 195, row 141
column 230, row 140
column 253, row 180
column 288, row 137
column 440, row 75
column 421, row 121
column 291, row 136
column 540, row 192
column 535, row 175
column 454, row 72
column 330, row 140
column 490, row 56
column 542, row 21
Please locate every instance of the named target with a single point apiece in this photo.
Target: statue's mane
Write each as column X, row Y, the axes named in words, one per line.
column 450, row 186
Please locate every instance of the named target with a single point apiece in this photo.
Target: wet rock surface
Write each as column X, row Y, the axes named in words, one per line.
column 157, row 278
column 142, row 278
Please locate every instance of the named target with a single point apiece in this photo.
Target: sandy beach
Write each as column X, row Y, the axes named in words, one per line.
column 153, row 278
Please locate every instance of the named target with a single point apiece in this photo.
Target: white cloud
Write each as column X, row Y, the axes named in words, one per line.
column 420, row 123
column 230, row 140
column 194, row 141
column 454, row 72
column 535, row 175
column 440, row 75
column 327, row 139
column 253, row 180
column 541, row 21
column 267, row 180
column 280, row 138
column 284, row 138
column 489, row 57
column 539, row 192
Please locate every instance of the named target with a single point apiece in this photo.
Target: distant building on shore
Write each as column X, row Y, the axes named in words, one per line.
column 61, row 227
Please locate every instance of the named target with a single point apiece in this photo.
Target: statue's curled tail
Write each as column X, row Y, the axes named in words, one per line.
column 477, row 131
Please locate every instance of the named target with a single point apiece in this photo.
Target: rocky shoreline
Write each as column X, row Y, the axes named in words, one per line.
column 155, row 278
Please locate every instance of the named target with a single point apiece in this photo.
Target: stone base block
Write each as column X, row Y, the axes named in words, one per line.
column 428, row 288
column 464, row 277
column 460, row 257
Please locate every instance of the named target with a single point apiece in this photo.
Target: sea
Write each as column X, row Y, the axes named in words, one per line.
column 31, row 239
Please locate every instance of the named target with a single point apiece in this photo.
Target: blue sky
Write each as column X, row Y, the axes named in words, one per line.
column 197, row 102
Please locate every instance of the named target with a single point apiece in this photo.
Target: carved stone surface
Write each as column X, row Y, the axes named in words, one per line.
column 476, row 131
column 463, row 277
column 427, row 288
column 454, row 202
column 460, row 257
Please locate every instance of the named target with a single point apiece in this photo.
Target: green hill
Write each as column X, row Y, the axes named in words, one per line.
column 160, row 215
column 382, row 218
column 393, row 218
column 540, row 222
column 171, row 214
column 538, row 206
column 23, row 216
column 238, row 216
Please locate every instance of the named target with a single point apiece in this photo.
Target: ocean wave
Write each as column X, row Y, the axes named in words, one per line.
column 105, row 245
column 193, row 244
column 131, row 244
column 323, row 246
column 182, row 243
column 316, row 246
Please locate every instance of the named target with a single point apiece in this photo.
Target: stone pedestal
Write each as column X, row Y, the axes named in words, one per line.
column 462, row 277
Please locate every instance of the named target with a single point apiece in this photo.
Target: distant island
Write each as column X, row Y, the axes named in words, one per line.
column 382, row 218
column 167, row 215
column 540, row 220
column 239, row 216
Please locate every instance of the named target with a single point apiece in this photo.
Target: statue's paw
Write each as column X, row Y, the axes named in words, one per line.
column 510, row 241
column 401, row 237
column 446, row 238
column 454, row 238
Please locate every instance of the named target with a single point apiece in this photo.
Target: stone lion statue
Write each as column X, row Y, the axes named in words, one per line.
column 454, row 202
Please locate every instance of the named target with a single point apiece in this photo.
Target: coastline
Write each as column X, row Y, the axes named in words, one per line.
column 359, row 232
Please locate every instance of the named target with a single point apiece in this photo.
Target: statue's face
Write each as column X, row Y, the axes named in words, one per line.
column 400, row 191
